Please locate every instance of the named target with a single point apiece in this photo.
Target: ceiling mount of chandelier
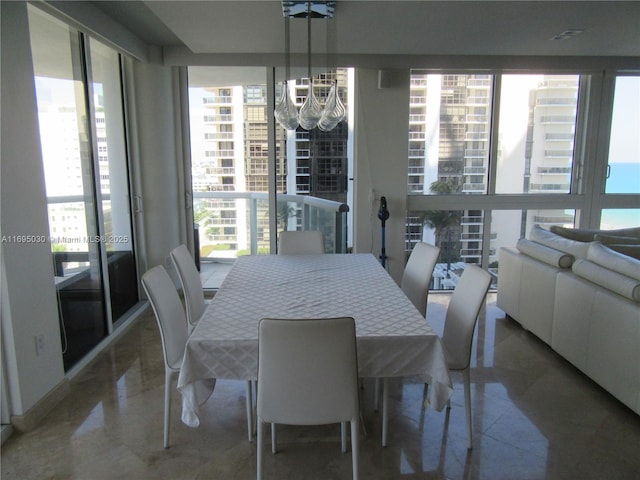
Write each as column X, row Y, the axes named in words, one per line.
column 312, row 114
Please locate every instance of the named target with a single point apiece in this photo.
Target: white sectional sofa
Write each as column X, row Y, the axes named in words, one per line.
column 582, row 298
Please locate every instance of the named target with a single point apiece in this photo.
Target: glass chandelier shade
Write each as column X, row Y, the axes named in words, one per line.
column 312, row 114
column 334, row 111
column 311, row 110
column 286, row 112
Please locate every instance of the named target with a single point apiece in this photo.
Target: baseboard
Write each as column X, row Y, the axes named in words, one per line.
column 32, row 418
column 7, row 431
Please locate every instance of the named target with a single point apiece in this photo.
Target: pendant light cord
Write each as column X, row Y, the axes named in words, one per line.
column 309, row 41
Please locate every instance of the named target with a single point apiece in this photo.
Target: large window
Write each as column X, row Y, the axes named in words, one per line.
column 527, row 163
column 309, row 176
column 82, row 138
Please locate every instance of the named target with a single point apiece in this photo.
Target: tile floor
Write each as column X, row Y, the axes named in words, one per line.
column 535, row 417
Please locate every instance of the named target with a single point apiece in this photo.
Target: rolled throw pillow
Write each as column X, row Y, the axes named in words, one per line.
column 545, row 254
column 616, row 282
column 545, row 237
column 613, row 260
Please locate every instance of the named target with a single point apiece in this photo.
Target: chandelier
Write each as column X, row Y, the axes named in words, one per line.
column 312, row 114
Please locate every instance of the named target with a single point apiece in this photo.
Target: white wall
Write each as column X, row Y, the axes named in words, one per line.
column 381, row 156
column 29, row 306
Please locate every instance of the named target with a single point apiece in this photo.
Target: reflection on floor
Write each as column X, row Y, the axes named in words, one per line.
column 535, row 417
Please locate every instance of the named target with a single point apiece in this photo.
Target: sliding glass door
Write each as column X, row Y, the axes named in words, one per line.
column 85, row 167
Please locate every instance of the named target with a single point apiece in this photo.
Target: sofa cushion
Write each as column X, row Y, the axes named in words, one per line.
column 545, row 254
column 588, row 234
column 628, row 250
column 545, row 237
column 612, row 260
column 616, row 239
column 623, row 285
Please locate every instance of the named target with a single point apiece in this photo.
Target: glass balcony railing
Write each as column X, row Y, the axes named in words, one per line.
column 230, row 224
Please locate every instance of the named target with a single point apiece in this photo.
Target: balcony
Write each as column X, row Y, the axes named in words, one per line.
column 558, row 154
column 472, row 220
column 218, row 100
column 251, row 222
column 479, row 83
column 474, row 170
column 557, row 102
column 559, row 137
column 478, row 100
column 550, row 187
column 558, row 119
column 475, row 153
column 554, row 170
column 473, row 188
column 476, row 137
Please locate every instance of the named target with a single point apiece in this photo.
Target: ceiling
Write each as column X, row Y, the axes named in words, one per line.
column 609, row 28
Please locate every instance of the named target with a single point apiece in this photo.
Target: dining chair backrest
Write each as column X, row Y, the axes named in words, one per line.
column 169, row 313
column 307, row 371
column 462, row 314
column 300, row 242
column 191, row 283
column 417, row 274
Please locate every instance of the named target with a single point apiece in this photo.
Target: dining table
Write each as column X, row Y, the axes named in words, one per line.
column 392, row 338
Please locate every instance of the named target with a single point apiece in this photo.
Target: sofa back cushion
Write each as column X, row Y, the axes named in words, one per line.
column 630, row 246
column 588, row 235
column 612, row 260
column 628, row 250
column 545, row 237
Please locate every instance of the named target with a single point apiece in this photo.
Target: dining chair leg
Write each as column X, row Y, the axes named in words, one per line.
column 274, row 440
column 467, row 403
column 385, row 410
column 343, row 436
column 355, row 448
column 249, row 410
column 259, row 448
column 376, row 394
column 167, row 405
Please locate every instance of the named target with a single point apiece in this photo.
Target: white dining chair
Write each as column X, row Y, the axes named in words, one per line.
column 417, row 274
column 195, row 305
column 300, row 242
column 460, row 322
column 459, row 325
column 191, row 284
column 415, row 283
column 170, row 316
column 308, row 375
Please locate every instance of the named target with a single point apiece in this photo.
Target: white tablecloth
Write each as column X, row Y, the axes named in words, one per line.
column 393, row 339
